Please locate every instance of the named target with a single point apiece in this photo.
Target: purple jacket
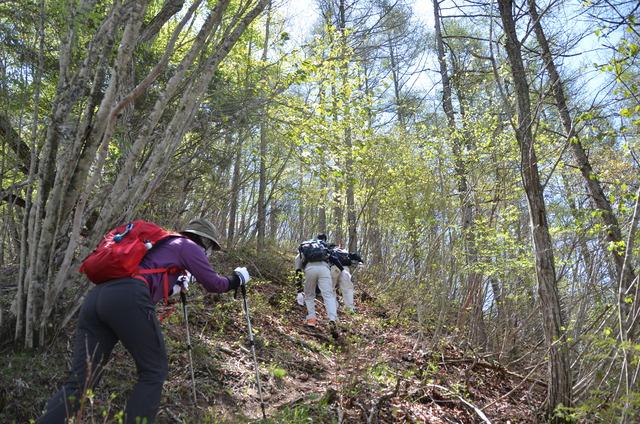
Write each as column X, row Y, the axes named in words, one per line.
column 185, row 254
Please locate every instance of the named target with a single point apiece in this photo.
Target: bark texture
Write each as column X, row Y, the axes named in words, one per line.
column 559, row 389
column 96, row 101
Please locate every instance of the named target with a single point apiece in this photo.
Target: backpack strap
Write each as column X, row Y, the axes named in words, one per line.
column 165, row 278
column 165, row 285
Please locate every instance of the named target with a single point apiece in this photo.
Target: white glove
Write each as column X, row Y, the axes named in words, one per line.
column 300, row 299
column 184, row 280
column 183, row 284
column 243, row 274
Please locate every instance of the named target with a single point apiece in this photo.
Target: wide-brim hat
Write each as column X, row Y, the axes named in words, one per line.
column 204, row 228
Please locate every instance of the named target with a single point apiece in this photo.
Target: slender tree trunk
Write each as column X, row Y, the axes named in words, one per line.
column 473, row 301
column 301, row 202
column 322, row 218
column 587, row 259
column 351, row 241
column 262, row 184
column 273, row 222
column 502, row 328
column 322, row 208
column 375, row 235
column 559, row 379
column 227, row 174
column 20, row 301
column 234, row 195
column 374, row 239
column 261, row 222
column 396, row 83
column 338, row 213
column 352, row 224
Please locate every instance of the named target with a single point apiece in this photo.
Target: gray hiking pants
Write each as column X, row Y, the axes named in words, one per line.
column 119, row 310
column 318, row 274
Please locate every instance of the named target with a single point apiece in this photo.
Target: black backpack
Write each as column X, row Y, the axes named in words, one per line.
column 314, row 251
column 343, row 256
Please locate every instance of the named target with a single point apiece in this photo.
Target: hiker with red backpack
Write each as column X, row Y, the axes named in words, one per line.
column 121, row 308
column 314, row 260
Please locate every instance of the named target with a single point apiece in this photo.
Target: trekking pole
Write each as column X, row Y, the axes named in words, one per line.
column 183, row 297
column 253, row 346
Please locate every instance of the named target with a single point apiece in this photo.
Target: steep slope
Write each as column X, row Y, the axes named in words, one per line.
column 377, row 371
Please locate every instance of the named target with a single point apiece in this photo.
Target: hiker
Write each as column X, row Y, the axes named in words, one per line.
column 299, row 277
column 123, row 310
column 313, row 260
column 342, row 278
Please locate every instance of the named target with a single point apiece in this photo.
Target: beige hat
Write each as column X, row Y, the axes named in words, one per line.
column 204, row 228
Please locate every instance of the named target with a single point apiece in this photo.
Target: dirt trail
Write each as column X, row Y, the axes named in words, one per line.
column 377, row 372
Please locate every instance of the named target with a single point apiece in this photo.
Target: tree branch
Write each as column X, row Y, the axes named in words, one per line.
column 11, row 198
column 169, row 8
column 14, row 141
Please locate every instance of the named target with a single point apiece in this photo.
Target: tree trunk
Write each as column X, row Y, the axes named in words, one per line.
column 612, row 231
column 234, row 194
column 261, row 223
column 273, row 222
column 20, row 305
column 471, row 313
column 322, row 207
column 352, row 242
column 338, row 212
column 396, row 83
column 301, row 202
column 559, row 389
column 374, row 236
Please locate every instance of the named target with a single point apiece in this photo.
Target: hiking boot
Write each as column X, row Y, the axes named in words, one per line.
column 333, row 328
column 311, row 322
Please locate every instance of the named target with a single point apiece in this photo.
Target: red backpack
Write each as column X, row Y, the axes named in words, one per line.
column 121, row 250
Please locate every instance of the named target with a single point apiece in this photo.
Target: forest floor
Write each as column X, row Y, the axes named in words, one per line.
column 379, row 370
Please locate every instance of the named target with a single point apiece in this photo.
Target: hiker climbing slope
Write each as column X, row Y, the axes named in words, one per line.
column 122, row 309
column 313, row 259
column 342, row 277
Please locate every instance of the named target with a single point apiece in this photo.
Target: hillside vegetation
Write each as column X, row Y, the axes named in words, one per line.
column 380, row 370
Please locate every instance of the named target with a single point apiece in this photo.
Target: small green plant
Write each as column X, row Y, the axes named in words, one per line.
column 303, row 414
column 277, row 372
column 382, row 374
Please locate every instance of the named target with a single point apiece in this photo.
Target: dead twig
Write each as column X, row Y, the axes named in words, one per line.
column 471, row 406
column 515, row 388
column 496, row 367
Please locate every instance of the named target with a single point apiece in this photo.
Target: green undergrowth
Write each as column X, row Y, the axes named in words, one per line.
column 373, row 372
column 223, row 365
